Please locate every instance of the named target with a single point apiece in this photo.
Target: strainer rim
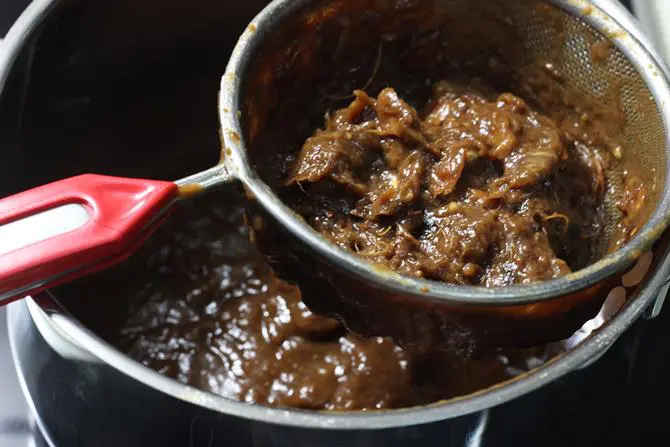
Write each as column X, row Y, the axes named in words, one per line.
column 630, row 40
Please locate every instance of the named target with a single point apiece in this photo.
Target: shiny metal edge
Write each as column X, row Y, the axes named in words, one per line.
column 19, row 34
column 652, row 15
column 65, row 346
column 14, row 317
column 367, row 420
column 205, row 181
column 656, row 307
column 591, row 347
column 630, row 39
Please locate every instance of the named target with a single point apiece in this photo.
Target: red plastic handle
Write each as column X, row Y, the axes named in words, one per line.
column 122, row 213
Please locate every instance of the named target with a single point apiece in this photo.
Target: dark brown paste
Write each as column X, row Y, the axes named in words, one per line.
column 474, row 189
column 200, row 305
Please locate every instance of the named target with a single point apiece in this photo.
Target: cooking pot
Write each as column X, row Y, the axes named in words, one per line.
column 112, row 67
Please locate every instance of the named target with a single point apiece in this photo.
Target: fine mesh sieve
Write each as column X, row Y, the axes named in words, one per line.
column 299, row 59
column 612, row 83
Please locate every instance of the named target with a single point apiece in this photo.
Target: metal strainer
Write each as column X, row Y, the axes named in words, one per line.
column 287, row 71
column 291, row 52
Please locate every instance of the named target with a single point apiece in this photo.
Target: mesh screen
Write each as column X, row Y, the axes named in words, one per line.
column 526, row 34
column 607, row 80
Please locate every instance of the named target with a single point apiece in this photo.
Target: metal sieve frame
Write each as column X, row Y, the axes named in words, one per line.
column 607, row 17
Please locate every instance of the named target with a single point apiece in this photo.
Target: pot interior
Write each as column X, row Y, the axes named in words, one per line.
column 116, row 89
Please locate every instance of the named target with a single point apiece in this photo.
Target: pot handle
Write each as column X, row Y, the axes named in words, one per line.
column 58, row 232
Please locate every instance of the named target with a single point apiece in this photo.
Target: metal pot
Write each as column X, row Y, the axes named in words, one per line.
column 91, row 60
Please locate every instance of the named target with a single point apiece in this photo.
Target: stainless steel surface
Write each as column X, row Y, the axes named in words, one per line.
column 84, row 405
column 657, row 306
column 607, row 17
column 591, row 346
column 152, row 401
column 211, row 178
column 653, row 15
column 60, row 342
column 17, row 424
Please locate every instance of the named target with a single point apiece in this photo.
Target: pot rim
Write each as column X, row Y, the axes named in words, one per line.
column 482, row 400
column 51, row 309
column 628, row 38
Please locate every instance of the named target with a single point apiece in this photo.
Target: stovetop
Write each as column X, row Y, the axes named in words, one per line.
column 17, row 426
column 620, row 400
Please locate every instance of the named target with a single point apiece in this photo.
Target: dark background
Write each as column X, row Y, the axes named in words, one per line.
column 9, row 10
